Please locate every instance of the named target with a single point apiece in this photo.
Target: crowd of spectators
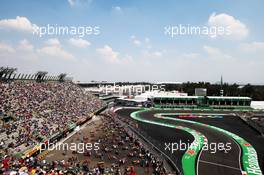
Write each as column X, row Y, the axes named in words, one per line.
column 120, row 153
column 32, row 112
column 119, row 141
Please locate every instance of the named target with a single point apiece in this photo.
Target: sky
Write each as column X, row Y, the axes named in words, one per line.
column 135, row 40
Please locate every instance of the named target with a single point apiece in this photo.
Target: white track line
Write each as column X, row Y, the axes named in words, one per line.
column 239, row 157
column 198, row 160
column 218, row 164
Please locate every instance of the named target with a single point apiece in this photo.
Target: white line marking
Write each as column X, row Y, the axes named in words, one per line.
column 218, row 164
column 197, row 166
column 239, row 157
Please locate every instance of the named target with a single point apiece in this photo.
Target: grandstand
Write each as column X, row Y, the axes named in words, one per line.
column 202, row 101
column 175, row 99
column 9, row 74
column 36, row 111
column 40, row 109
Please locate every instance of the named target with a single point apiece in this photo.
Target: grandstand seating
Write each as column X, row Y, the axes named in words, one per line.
column 33, row 112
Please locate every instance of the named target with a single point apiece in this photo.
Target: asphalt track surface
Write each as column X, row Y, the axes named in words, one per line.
column 160, row 135
column 208, row 162
column 237, row 126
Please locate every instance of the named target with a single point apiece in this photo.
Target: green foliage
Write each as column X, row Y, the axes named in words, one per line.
column 256, row 92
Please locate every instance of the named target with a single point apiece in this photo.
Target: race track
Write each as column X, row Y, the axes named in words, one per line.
column 206, row 162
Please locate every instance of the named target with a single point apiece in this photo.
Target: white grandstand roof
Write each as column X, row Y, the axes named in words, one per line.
column 165, row 94
column 227, row 97
column 174, row 96
column 257, row 104
column 210, row 97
